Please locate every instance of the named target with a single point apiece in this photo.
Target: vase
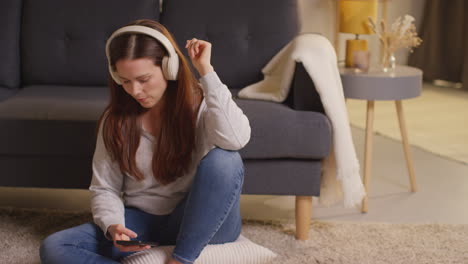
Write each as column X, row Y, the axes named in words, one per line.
column 388, row 61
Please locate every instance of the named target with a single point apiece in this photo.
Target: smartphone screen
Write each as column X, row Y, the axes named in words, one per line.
column 136, row 243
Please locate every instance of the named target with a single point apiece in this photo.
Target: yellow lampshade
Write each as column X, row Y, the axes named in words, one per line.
column 354, row 15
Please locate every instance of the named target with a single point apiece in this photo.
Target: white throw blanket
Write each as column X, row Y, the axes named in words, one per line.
column 319, row 59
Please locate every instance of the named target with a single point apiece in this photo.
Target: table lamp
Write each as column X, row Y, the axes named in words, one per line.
column 353, row 19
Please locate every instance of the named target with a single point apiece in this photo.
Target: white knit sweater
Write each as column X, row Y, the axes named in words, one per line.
column 220, row 123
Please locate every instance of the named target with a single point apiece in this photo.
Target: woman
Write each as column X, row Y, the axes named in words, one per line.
column 165, row 168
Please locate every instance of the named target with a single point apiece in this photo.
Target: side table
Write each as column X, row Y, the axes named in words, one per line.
column 405, row 82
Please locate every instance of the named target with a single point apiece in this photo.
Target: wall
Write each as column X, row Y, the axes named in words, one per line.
column 319, row 16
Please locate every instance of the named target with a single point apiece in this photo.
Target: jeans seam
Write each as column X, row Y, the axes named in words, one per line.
column 231, row 202
column 181, row 259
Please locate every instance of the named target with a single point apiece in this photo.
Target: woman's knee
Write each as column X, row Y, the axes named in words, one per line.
column 57, row 243
column 51, row 244
column 221, row 165
column 224, row 160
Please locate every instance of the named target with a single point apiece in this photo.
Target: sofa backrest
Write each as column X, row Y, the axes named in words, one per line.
column 62, row 42
column 10, row 21
column 245, row 34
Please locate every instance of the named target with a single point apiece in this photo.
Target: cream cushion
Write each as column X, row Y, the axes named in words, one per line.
column 241, row 251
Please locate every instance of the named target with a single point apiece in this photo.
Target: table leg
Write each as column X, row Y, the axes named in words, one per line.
column 368, row 152
column 404, row 137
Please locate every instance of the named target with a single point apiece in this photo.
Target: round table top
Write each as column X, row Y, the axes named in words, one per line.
column 403, row 83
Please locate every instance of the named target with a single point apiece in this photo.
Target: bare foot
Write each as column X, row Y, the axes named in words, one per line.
column 173, row 261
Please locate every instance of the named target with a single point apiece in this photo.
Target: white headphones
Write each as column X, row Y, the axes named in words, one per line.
column 170, row 64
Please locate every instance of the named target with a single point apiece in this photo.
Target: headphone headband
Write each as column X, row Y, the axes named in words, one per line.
column 170, row 63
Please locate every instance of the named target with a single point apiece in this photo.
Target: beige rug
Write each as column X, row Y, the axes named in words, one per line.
column 22, row 230
column 437, row 121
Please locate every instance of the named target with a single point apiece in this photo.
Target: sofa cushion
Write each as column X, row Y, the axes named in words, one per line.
column 63, row 118
column 43, row 171
column 9, row 44
column 56, row 102
column 281, row 132
column 51, row 120
column 63, row 41
column 245, row 34
column 42, row 138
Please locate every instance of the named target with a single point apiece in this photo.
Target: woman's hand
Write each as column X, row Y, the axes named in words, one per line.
column 119, row 232
column 200, row 54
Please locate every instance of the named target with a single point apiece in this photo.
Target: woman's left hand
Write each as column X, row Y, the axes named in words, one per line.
column 200, row 54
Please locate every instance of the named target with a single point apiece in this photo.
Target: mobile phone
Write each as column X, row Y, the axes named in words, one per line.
column 136, row 243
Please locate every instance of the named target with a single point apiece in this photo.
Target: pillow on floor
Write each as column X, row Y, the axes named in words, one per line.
column 241, row 251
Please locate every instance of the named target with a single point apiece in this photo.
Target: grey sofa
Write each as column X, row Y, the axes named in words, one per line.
column 53, row 80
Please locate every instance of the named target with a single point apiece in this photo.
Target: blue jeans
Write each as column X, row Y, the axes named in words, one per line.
column 209, row 214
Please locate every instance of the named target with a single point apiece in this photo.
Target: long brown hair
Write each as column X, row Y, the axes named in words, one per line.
column 122, row 128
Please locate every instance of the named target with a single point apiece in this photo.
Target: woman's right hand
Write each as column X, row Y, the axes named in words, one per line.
column 119, row 232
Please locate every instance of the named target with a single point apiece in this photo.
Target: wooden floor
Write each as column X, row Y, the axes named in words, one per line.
column 442, row 195
column 437, row 120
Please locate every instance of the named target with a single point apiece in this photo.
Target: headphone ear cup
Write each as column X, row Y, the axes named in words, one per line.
column 170, row 67
column 114, row 76
column 164, row 67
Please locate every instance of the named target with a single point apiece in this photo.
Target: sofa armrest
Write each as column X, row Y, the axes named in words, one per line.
column 303, row 96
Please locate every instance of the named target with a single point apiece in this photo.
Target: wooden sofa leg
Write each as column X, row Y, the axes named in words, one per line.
column 303, row 216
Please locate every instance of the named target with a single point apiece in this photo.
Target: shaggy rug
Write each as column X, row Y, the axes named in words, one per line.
column 22, row 230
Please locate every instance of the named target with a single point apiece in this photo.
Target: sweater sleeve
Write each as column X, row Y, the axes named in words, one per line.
column 106, row 185
column 226, row 126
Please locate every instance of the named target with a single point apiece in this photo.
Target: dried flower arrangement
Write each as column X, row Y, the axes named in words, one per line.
column 402, row 34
